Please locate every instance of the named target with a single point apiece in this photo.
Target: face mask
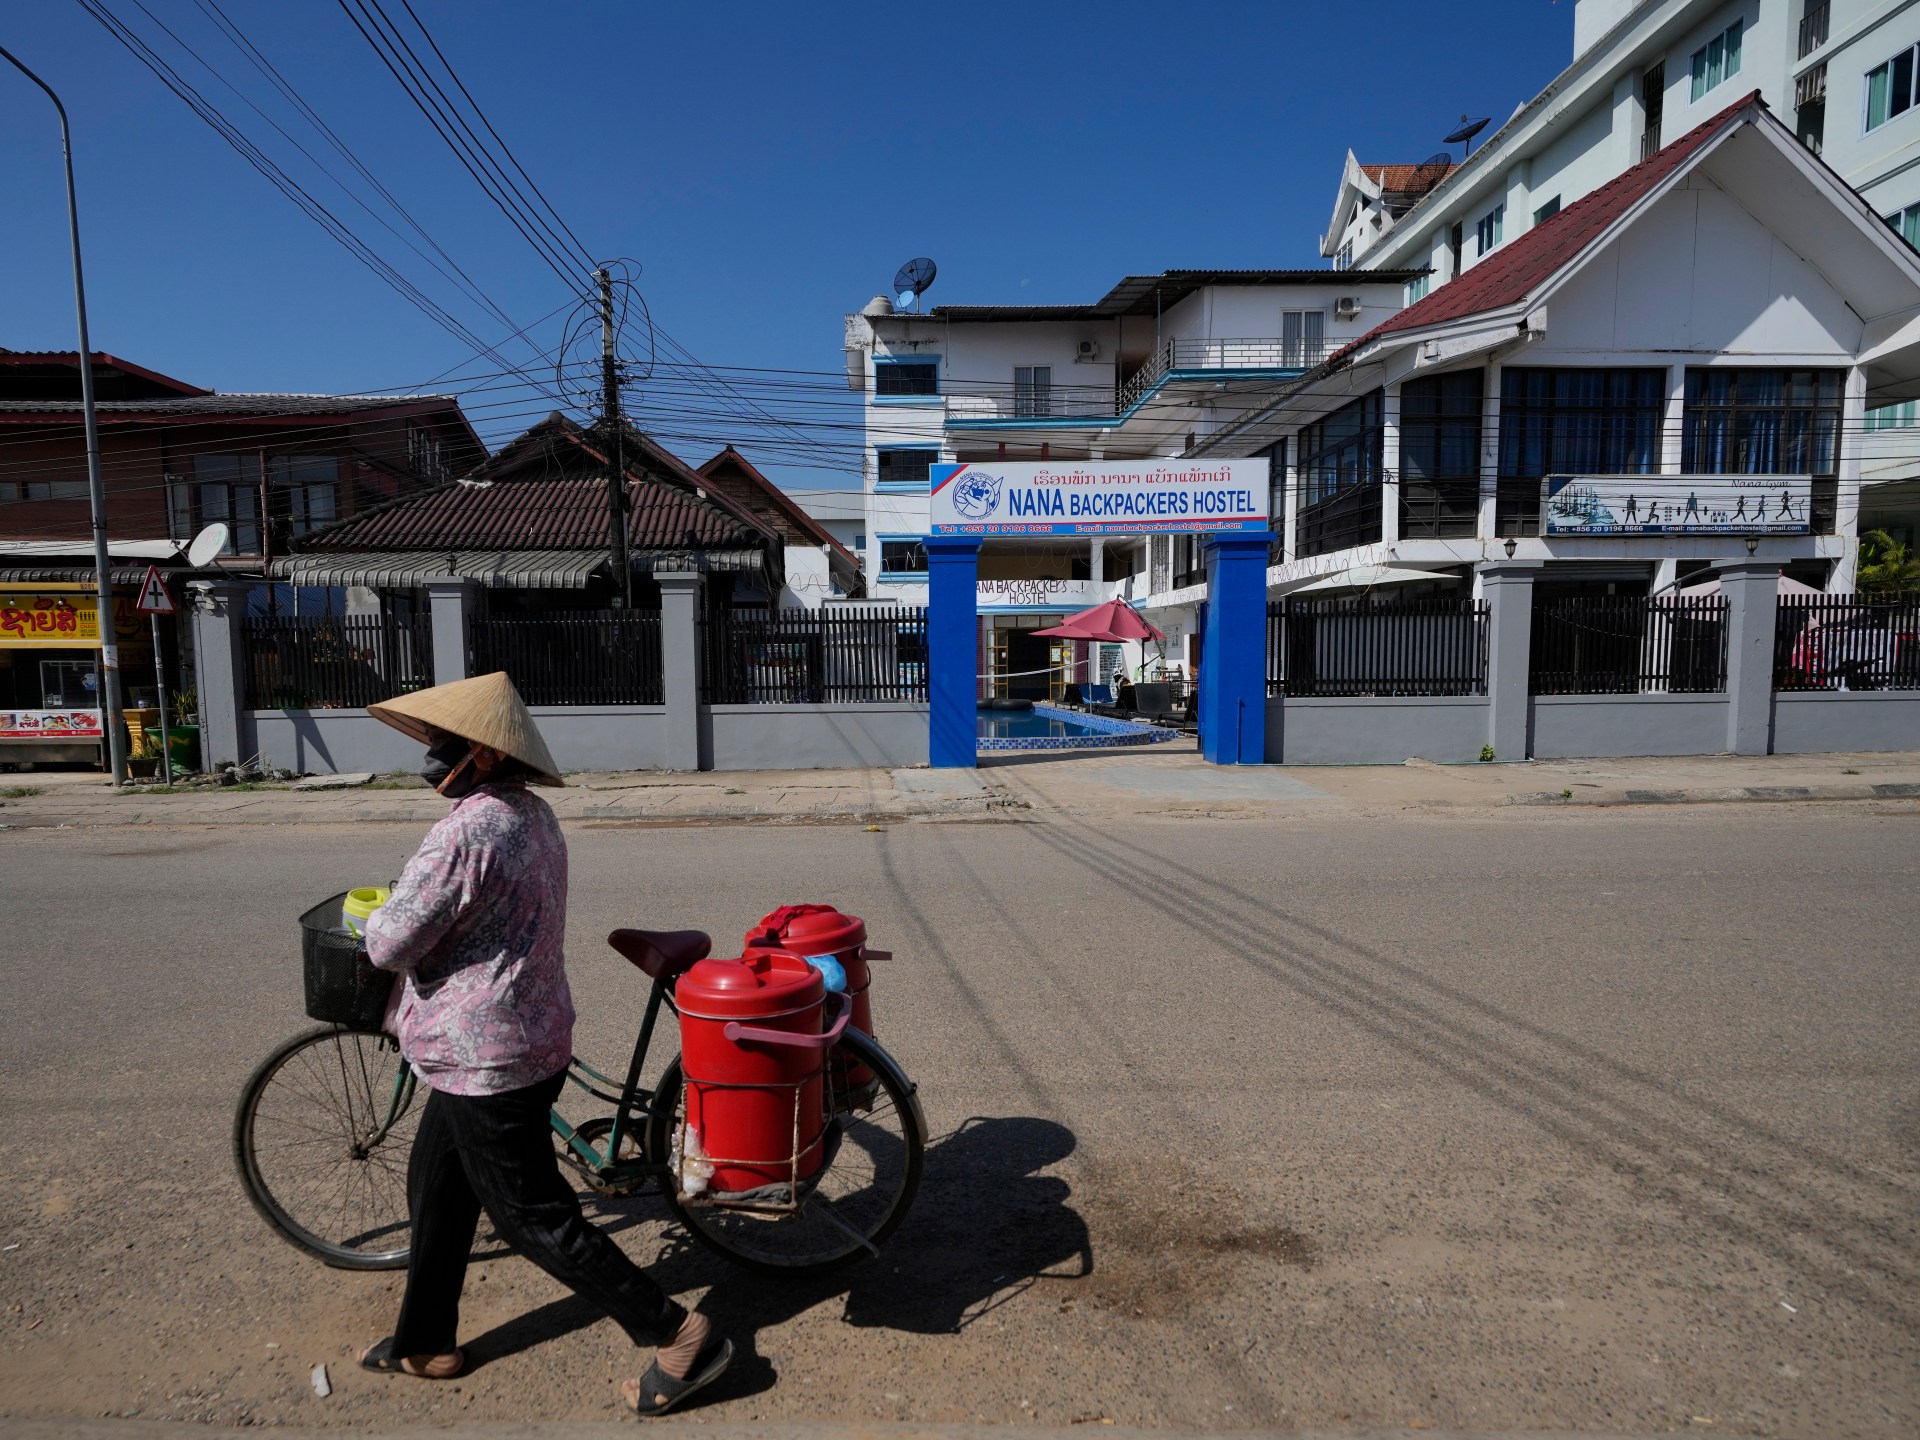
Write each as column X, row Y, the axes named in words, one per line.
column 443, row 757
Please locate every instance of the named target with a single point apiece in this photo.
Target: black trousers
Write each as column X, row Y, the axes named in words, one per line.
column 496, row 1152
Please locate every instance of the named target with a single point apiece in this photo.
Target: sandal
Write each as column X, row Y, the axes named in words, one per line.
column 380, row 1359
column 660, row 1392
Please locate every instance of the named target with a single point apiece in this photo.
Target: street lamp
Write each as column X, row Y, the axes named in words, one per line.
column 108, row 689
column 1753, row 544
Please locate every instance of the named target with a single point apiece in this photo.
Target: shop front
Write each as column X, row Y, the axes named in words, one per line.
column 50, row 671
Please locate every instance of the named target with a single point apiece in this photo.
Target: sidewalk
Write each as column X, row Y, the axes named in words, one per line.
column 1165, row 780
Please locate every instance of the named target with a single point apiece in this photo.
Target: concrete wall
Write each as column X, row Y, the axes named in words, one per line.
column 812, row 737
column 324, row 742
column 1375, row 731
column 1567, row 727
column 1813, row 722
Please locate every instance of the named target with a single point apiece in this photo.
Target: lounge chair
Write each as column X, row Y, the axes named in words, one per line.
column 1154, row 701
column 1070, row 695
column 1098, row 697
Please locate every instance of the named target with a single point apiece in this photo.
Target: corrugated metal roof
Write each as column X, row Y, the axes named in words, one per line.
column 1144, row 294
column 216, row 405
column 495, row 569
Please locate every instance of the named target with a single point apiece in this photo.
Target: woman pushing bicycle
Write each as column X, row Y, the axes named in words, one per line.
column 475, row 925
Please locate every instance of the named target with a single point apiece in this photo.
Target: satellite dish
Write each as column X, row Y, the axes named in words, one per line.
column 1430, row 171
column 913, row 278
column 1466, row 131
column 207, row 544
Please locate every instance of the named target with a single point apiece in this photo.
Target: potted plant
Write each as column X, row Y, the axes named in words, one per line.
column 183, row 731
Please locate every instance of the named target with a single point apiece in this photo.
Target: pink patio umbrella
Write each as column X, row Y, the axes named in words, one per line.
column 1111, row 620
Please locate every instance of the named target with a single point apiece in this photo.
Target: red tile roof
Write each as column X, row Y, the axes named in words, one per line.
column 1516, row 270
column 548, row 491
column 1409, row 181
column 742, row 481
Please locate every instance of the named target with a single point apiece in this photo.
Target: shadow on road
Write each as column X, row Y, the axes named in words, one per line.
column 985, row 1227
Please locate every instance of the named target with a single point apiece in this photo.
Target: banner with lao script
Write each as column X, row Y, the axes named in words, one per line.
column 1677, row 504
column 1098, row 497
column 48, row 620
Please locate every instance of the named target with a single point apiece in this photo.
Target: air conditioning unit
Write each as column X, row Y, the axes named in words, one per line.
column 1088, row 350
column 1347, row 307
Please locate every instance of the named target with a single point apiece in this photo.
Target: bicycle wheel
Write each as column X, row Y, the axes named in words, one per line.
column 856, row 1201
column 321, row 1138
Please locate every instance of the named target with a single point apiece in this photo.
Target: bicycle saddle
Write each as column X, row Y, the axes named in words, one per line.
column 663, row 954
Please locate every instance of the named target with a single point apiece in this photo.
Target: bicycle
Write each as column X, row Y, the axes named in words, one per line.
column 325, row 1123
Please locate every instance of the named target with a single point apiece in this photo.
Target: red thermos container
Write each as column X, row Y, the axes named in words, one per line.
column 755, row 1103
column 823, row 930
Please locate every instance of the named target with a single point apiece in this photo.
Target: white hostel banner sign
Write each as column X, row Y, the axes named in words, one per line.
column 1099, row 497
column 1678, row 504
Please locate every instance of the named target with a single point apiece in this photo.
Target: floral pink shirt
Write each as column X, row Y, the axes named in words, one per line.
column 476, row 921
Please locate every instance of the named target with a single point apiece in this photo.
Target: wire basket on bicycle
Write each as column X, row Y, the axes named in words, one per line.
column 343, row 986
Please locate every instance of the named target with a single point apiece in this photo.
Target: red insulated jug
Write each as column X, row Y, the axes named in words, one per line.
column 823, row 930
column 751, row 1046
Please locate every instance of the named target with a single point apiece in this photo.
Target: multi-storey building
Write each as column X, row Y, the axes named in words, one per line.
column 1149, row 370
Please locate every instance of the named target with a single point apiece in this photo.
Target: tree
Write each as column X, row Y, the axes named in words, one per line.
column 1887, row 566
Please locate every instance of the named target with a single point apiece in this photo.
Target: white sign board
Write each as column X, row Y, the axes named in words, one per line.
column 1099, row 497
column 1676, row 504
column 154, row 599
column 1037, row 594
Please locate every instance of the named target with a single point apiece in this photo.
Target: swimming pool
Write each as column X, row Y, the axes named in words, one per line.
column 1046, row 727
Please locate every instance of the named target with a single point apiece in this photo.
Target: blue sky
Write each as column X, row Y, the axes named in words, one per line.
column 769, row 165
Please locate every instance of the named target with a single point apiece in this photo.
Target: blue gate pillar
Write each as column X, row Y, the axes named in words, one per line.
column 953, row 650
column 1233, row 652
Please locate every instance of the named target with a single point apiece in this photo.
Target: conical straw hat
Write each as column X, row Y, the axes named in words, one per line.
column 486, row 710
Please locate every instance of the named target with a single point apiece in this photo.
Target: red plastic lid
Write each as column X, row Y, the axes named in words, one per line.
column 757, row 986
column 810, row 930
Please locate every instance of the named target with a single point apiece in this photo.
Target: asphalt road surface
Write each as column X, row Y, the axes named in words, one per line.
column 1582, row 1120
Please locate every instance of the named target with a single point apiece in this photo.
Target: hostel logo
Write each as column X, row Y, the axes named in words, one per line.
column 977, row 496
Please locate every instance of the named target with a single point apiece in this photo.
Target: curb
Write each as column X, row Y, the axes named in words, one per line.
column 1887, row 790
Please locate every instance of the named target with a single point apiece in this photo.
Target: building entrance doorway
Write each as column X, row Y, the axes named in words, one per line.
column 1025, row 666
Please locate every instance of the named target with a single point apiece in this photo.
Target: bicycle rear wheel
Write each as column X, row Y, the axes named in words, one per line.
column 321, row 1138
column 857, row 1200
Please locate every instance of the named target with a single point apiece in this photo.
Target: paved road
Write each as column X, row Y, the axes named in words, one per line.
column 1598, row 1120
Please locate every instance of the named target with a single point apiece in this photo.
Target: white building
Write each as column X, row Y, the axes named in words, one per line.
column 1714, row 321
column 1149, row 370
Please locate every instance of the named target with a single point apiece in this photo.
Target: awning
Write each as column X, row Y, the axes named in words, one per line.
column 495, row 569
column 1360, row 577
column 405, row 570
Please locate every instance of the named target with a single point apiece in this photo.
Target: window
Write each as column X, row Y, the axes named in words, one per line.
column 1454, row 243
column 1547, row 211
column 903, row 467
column 1344, row 260
column 1906, row 224
column 859, row 542
column 1417, row 289
column 426, row 454
column 226, row 489
column 1340, row 478
column 1572, row 422
column 1487, row 233
column 1766, row 422
column 12, row 491
column 1440, row 455
column 305, row 491
column 900, row 379
column 1303, row 336
column 1717, row 60
column 1033, row 390
column 1892, row 417
column 1653, row 102
column 903, row 559
column 1890, row 89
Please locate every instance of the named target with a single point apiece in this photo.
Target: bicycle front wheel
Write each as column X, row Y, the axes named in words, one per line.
column 878, row 1142
column 321, row 1139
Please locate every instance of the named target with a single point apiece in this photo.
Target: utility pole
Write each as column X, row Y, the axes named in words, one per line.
column 107, row 686
column 616, row 442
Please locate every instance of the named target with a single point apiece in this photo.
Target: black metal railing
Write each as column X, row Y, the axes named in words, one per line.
column 1813, row 30
column 1847, row 642
column 815, row 657
column 1356, row 647
column 334, row 662
column 573, row 657
column 1629, row 645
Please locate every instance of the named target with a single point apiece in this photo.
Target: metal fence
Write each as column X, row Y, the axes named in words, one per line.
column 581, row 657
column 813, row 657
column 1629, row 645
column 1353, row 647
column 1847, row 642
column 333, row 662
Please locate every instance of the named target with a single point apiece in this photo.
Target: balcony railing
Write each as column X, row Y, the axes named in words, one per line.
column 1813, row 30
column 1005, row 400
